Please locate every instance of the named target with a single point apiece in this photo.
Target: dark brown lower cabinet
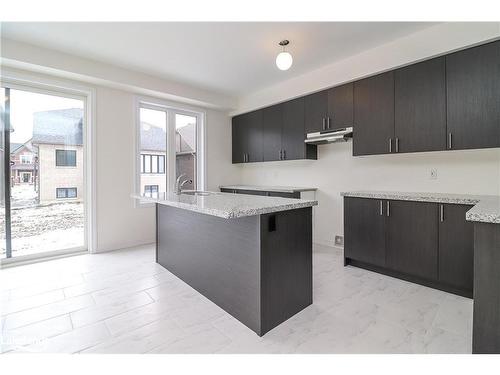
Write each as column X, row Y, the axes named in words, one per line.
column 412, row 238
column 486, row 326
column 364, row 233
column 456, row 247
column 426, row 243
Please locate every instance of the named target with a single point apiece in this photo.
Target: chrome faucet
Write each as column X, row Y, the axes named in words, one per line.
column 179, row 184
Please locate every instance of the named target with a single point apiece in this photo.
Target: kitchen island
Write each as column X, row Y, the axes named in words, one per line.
column 251, row 255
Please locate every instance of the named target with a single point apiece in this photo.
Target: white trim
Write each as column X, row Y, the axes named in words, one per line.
column 41, row 257
column 171, row 108
column 52, row 86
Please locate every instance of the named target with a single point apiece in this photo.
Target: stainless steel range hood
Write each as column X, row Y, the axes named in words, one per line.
column 329, row 136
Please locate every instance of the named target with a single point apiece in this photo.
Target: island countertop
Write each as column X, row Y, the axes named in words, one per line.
column 486, row 208
column 226, row 205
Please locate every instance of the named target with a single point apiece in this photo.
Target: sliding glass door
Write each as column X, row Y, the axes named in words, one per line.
column 43, row 173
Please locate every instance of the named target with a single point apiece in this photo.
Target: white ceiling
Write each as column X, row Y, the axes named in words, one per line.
column 228, row 58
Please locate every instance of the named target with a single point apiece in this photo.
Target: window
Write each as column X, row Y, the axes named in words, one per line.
column 66, row 192
column 170, row 143
column 26, row 159
column 153, row 164
column 150, row 190
column 65, row 158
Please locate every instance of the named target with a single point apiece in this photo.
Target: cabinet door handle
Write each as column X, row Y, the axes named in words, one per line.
column 284, row 154
column 324, row 123
column 397, row 144
column 390, row 145
column 328, row 122
column 441, row 213
column 450, row 143
column 381, row 209
column 280, row 157
column 388, row 208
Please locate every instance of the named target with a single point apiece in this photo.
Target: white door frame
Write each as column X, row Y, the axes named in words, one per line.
column 33, row 82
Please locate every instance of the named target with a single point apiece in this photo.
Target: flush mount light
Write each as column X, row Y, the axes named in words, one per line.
column 284, row 60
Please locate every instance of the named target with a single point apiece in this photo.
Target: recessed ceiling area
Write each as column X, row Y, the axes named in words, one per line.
column 228, row 58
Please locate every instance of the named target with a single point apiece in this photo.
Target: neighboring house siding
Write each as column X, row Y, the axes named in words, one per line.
column 53, row 177
column 159, row 179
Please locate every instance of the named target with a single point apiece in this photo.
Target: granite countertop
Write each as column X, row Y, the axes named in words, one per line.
column 227, row 205
column 279, row 189
column 486, row 208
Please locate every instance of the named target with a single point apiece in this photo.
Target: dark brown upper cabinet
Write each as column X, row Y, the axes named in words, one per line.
column 316, row 111
column 272, row 120
column 374, row 115
column 292, row 136
column 420, row 107
column 473, row 97
column 247, row 137
column 340, row 107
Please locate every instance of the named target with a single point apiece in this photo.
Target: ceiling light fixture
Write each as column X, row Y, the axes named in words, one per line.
column 284, row 60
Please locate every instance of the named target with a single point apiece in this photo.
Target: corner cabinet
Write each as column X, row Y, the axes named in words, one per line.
column 380, row 235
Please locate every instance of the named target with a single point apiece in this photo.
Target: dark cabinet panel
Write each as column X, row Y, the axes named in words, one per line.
column 412, row 238
column 373, row 114
column 316, row 108
column 340, row 106
column 364, row 230
column 420, row 107
column 456, row 247
column 473, row 97
column 272, row 123
column 292, row 140
column 254, row 137
column 283, row 195
column 486, row 325
column 238, row 139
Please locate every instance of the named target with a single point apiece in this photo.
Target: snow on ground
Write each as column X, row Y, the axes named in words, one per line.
column 42, row 227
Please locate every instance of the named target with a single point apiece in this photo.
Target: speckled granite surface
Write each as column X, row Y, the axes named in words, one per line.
column 486, row 208
column 227, row 205
column 279, row 189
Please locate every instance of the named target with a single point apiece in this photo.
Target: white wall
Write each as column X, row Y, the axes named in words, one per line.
column 336, row 170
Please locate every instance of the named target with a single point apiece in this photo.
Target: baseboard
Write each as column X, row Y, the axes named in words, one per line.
column 328, row 243
column 123, row 247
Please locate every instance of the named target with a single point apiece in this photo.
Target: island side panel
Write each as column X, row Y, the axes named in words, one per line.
column 220, row 258
column 286, row 262
column 486, row 317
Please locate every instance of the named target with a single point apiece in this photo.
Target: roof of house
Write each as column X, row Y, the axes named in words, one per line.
column 153, row 138
column 60, row 126
column 14, row 146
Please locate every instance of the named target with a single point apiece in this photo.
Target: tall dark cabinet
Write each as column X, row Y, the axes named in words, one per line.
column 247, row 137
column 420, row 107
column 374, row 115
column 473, row 97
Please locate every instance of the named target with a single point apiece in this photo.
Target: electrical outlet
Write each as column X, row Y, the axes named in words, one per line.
column 434, row 174
column 339, row 241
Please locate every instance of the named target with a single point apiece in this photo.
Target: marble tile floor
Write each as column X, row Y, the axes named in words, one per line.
column 122, row 302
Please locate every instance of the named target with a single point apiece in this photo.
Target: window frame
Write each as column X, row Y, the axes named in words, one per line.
column 66, row 189
column 66, row 158
column 28, row 156
column 171, row 109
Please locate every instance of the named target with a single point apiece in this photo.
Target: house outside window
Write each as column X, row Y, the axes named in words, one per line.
column 150, row 190
column 26, row 159
column 66, row 192
column 65, row 158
